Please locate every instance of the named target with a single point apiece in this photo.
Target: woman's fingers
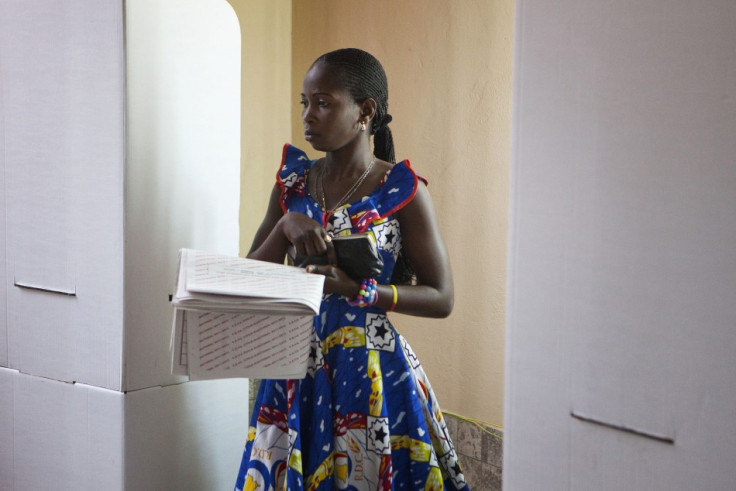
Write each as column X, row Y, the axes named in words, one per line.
column 314, row 245
column 323, row 269
column 307, row 236
column 336, row 280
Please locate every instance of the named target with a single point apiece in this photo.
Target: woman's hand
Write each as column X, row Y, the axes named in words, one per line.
column 306, row 235
column 278, row 230
column 336, row 280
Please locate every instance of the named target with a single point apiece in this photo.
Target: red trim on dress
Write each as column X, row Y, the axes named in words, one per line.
column 413, row 192
column 282, row 186
column 326, row 215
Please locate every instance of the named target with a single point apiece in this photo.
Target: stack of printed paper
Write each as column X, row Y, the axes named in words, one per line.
column 237, row 317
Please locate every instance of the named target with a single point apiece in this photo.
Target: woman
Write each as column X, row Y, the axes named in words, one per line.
column 365, row 416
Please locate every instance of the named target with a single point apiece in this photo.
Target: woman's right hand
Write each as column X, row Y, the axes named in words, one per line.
column 305, row 234
column 278, row 231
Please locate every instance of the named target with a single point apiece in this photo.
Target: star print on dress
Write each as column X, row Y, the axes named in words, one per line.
column 339, row 222
column 450, row 463
column 316, row 357
column 388, row 236
column 378, row 333
column 378, row 436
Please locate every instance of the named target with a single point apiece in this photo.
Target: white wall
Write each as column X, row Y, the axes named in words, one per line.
column 622, row 270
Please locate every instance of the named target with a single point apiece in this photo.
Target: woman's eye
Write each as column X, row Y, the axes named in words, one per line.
column 322, row 103
column 303, row 102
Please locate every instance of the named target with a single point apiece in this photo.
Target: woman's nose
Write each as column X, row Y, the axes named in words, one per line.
column 306, row 114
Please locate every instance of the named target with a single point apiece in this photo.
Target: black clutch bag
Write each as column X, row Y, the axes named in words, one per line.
column 356, row 254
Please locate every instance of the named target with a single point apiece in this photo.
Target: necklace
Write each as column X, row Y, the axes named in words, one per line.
column 350, row 192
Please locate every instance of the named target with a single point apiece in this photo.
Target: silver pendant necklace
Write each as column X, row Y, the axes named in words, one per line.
column 350, row 192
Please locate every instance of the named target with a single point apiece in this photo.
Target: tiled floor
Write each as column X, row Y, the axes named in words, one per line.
column 480, row 449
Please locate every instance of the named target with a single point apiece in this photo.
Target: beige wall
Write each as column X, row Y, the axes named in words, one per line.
column 449, row 71
column 265, row 27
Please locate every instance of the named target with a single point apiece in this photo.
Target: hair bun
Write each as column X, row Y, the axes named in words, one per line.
column 384, row 122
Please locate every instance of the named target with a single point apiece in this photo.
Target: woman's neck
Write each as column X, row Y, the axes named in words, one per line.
column 345, row 163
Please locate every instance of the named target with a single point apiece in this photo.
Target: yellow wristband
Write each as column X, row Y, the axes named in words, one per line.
column 395, row 299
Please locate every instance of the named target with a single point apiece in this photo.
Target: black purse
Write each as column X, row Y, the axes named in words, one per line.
column 356, row 254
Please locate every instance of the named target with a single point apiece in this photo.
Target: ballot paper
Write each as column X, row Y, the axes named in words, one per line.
column 214, row 282
column 237, row 317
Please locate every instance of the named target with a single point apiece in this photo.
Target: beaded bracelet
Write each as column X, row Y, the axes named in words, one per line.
column 367, row 295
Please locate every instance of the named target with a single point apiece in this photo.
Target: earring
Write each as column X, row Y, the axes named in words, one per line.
column 362, row 126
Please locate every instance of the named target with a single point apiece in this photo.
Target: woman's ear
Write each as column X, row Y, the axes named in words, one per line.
column 368, row 109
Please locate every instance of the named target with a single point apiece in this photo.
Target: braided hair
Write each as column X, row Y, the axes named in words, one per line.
column 362, row 75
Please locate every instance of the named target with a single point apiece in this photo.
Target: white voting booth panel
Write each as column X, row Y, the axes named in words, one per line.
column 622, row 273
column 57, row 435
column 60, row 435
column 119, row 145
column 183, row 173
column 63, row 84
column 3, row 256
column 92, row 233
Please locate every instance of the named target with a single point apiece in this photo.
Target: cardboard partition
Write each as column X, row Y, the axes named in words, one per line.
column 92, row 237
column 183, row 162
column 3, row 259
column 187, row 437
column 72, row 436
column 6, row 427
column 622, row 273
column 62, row 84
column 59, row 435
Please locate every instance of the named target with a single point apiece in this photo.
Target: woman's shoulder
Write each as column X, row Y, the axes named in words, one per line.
column 398, row 187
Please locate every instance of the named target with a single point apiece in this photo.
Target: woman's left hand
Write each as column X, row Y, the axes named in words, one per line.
column 336, row 280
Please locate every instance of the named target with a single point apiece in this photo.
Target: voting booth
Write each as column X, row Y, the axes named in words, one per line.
column 119, row 145
column 620, row 349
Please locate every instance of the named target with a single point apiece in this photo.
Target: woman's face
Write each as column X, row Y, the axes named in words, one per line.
column 330, row 115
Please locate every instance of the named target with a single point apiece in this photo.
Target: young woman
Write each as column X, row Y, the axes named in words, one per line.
column 365, row 416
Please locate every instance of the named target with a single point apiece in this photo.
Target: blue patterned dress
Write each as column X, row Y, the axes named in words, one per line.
column 365, row 416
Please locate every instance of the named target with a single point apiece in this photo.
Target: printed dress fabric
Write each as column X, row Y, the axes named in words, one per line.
column 365, row 416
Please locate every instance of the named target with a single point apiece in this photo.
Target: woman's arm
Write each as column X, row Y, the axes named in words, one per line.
column 278, row 230
column 433, row 295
